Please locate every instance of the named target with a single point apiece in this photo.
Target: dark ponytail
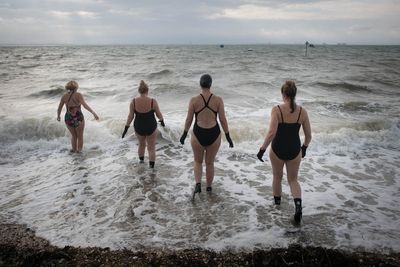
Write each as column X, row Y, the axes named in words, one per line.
column 289, row 89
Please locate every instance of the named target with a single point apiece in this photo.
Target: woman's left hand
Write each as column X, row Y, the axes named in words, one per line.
column 96, row 117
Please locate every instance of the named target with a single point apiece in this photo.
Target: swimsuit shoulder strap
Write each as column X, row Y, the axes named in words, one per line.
column 299, row 116
column 152, row 104
column 208, row 101
column 281, row 114
column 206, row 105
column 134, row 109
column 204, row 100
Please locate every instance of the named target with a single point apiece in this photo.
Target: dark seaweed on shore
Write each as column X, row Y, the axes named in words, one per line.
column 20, row 247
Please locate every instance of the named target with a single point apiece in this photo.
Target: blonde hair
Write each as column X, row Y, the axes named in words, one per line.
column 289, row 89
column 143, row 88
column 71, row 85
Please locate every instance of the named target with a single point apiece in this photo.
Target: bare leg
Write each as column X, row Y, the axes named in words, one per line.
column 198, row 152
column 79, row 132
column 142, row 144
column 211, row 152
column 74, row 137
column 277, row 173
column 151, row 145
column 292, row 169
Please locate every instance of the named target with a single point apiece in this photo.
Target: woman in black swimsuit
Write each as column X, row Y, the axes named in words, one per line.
column 206, row 137
column 286, row 148
column 142, row 109
column 74, row 117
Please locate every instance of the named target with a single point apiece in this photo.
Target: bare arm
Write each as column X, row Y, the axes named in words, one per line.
column 131, row 114
column 222, row 117
column 273, row 127
column 158, row 112
column 60, row 106
column 86, row 106
column 306, row 128
column 189, row 116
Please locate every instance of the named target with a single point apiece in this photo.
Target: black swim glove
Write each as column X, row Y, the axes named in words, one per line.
column 260, row 154
column 303, row 151
column 125, row 130
column 228, row 138
column 162, row 123
column 183, row 137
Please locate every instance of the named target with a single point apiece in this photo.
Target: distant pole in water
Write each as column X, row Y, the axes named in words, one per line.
column 307, row 43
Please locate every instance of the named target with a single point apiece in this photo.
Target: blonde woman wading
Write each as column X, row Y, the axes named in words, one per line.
column 286, row 150
column 74, row 119
column 142, row 109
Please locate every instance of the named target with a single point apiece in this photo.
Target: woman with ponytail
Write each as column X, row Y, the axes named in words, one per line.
column 142, row 109
column 286, row 149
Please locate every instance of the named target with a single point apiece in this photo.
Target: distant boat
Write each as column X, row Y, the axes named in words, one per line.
column 250, row 49
column 311, row 45
column 221, row 45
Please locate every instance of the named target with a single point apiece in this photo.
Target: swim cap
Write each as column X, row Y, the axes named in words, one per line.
column 206, row 81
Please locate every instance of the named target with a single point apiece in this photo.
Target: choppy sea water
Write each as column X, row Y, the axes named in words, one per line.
column 104, row 197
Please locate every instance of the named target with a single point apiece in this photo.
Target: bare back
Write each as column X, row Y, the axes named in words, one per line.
column 143, row 104
column 206, row 114
column 72, row 101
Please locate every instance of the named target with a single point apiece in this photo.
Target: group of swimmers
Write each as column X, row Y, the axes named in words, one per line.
column 207, row 108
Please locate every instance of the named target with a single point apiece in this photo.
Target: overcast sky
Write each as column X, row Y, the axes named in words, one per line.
column 199, row 22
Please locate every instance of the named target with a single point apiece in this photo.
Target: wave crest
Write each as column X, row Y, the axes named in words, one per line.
column 31, row 129
column 55, row 91
column 345, row 86
column 161, row 73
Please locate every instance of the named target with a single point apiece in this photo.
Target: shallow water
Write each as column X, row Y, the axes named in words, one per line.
column 104, row 197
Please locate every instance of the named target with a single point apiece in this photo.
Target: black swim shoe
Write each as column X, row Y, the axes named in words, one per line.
column 197, row 189
column 209, row 189
column 298, row 214
column 277, row 200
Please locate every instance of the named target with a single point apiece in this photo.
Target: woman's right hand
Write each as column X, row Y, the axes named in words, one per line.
column 125, row 130
column 58, row 118
column 183, row 137
column 260, row 154
column 96, row 117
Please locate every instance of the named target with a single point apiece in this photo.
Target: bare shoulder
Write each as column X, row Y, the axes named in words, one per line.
column 303, row 115
column 274, row 109
column 304, row 111
column 194, row 99
column 64, row 97
column 218, row 99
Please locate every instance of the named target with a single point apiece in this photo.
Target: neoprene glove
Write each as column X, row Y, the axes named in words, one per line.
column 162, row 123
column 125, row 130
column 260, row 154
column 228, row 138
column 182, row 140
column 303, row 151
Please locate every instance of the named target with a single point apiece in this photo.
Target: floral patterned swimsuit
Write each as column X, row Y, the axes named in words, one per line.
column 74, row 115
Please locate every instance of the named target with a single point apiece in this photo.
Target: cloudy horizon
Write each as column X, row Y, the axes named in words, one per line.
column 102, row 22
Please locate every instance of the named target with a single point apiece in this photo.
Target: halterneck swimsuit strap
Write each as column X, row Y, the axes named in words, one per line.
column 69, row 99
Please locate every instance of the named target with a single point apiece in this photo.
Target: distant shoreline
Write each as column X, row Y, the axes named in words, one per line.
column 19, row 246
column 225, row 45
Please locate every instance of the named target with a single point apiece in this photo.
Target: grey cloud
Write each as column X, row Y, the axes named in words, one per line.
column 176, row 21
